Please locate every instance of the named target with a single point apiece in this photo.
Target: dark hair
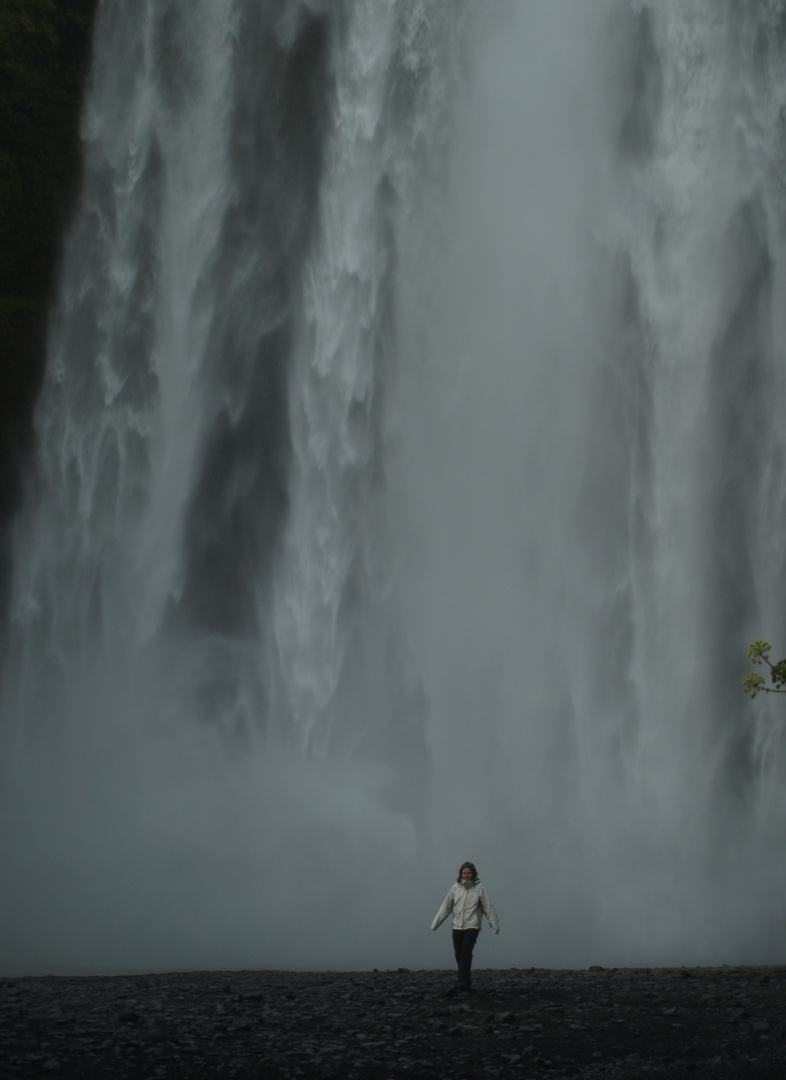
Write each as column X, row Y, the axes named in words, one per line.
column 468, row 866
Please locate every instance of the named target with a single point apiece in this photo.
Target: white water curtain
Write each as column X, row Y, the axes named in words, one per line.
column 410, row 481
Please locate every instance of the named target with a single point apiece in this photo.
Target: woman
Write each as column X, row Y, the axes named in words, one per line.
column 467, row 899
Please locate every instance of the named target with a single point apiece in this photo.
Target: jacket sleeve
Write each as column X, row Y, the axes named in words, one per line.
column 444, row 911
column 488, row 910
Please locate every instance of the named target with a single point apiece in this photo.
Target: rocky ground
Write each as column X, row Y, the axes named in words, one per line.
column 725, row 1023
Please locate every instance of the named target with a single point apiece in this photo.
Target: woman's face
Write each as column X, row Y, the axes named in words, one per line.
column 466, row 874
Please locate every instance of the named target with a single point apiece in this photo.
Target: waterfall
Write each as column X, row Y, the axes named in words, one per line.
column 409, row 484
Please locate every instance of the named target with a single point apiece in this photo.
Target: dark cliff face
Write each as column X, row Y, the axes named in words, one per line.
column 44, row 58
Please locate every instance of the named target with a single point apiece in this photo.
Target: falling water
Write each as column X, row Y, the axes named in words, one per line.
column 410, row 481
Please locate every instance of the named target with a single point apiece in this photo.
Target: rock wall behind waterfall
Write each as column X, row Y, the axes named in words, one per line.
column 45, row 55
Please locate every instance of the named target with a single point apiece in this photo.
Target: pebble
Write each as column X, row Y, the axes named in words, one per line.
column 620, row 1024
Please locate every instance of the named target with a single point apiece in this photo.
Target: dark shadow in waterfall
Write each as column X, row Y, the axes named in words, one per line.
column 737, row 433
column 275, row 147
column 636, row 90
column 614, row 512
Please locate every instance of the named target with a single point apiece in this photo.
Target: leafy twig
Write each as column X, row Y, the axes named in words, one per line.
column 754, row 682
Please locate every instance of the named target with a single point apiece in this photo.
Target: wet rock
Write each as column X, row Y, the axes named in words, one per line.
column 724, row 1023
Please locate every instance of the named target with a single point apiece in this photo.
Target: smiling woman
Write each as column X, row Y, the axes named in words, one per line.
column 468, row 901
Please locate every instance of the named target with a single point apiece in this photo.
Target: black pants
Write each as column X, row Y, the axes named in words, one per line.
column 463, row 944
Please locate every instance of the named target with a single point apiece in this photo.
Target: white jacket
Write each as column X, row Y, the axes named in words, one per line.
column 467, row 899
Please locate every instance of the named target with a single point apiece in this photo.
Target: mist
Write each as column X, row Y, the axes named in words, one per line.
column 410, row 482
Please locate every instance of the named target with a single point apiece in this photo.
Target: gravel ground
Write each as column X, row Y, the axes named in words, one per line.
column 726, row 1023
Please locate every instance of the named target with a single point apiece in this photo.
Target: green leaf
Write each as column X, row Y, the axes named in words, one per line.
column 758, row 651
column 778, row 673
column 753, row 683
